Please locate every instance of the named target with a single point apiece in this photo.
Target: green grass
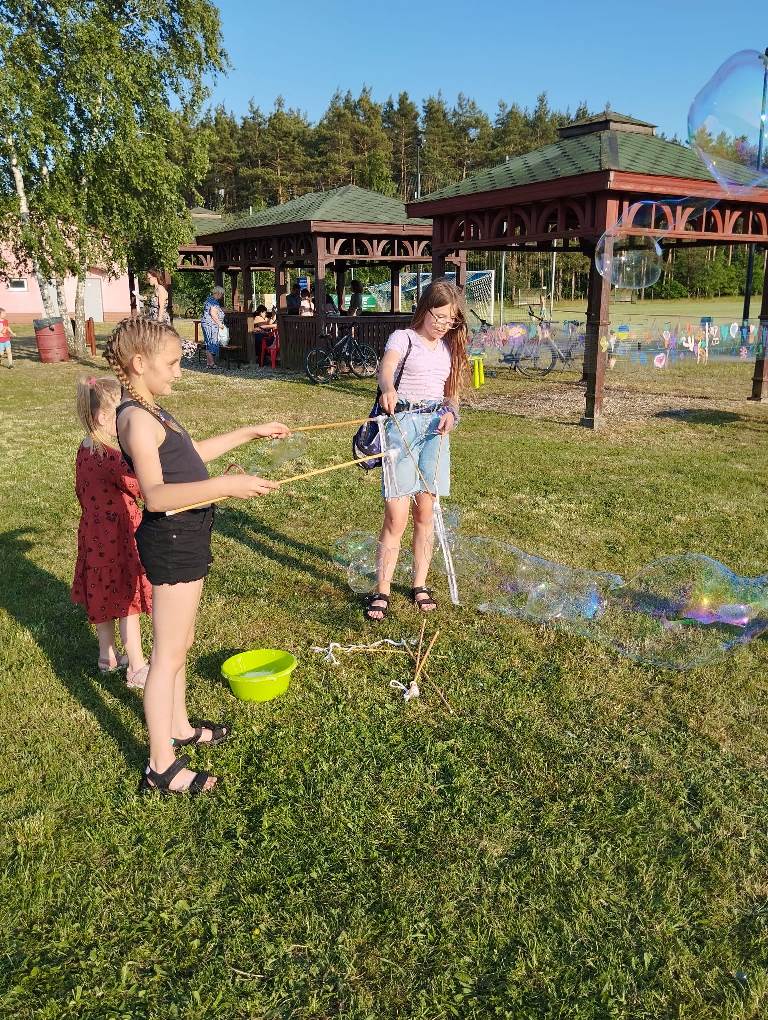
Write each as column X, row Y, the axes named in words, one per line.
column 581, row 838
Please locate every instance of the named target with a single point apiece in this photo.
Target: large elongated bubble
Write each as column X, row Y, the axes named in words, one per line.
column 678, row 612
column 726, row 120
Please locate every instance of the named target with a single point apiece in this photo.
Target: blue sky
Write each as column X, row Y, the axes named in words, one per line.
column 648, row 59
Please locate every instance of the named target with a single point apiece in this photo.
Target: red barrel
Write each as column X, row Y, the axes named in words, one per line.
column 51, row 340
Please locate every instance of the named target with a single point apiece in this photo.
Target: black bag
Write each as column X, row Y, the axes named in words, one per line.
column 367, row 440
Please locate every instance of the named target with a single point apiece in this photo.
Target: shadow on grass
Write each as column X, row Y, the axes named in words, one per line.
column 40, row 603
column 695, row 416
column 278, row 547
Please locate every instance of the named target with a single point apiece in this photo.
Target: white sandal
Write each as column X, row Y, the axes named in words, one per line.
column 137, row 678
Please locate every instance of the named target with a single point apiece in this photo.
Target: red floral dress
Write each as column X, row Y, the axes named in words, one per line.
column 109, row 578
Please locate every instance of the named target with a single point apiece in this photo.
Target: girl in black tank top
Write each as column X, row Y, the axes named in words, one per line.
column 175, row 551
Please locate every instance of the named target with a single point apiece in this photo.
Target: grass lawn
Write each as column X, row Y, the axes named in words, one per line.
column 581, row 837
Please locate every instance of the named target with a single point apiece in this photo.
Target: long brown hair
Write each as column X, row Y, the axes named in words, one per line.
column 138, row 335
column 442, row 292
column 93, row 396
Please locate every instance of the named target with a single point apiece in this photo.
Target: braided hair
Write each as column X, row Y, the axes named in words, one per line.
column 138, row 335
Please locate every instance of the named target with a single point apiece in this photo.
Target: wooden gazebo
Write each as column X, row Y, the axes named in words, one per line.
column 564, row 196
column 326, row 233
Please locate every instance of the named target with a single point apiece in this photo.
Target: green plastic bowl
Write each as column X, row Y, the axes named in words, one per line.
column 259, row 675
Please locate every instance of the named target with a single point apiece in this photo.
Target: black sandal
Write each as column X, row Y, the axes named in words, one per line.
column 376, row 596
column 422, row 604
column 220, row 731
column 160, row 782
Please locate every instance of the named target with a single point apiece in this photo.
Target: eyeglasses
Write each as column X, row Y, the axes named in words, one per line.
column 443, row 323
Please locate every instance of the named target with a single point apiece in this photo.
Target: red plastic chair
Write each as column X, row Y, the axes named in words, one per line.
column 268, row 338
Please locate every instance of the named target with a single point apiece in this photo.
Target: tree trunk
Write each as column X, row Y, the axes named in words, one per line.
column 50, row 304
column 80, row 312
column 68, row 331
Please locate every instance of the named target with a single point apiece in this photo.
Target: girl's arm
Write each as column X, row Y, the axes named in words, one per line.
column 141, row 435
column 387, row 368
column 217, row 446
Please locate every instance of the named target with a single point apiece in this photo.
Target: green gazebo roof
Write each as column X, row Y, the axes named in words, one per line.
column 348, row 204
column 608, row 141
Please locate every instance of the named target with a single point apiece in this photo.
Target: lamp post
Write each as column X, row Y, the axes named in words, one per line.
column 760, row 147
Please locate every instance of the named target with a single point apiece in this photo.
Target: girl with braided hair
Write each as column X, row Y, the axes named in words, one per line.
column 175, row 551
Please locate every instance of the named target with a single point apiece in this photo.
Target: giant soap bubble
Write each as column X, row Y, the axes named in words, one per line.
column 629, row 261
column 678, row 612
column 273, row 454
column 726, row 120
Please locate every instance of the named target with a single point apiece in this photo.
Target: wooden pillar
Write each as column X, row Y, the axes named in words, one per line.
column 320, row 270
column 218, row 276
column 461, row 270
column 247, row 280
column 596, row 347
column 233, row 279
column 340, row 268
column 394, row 289
column 760, row 378
column 438, row 264
column 281, row 286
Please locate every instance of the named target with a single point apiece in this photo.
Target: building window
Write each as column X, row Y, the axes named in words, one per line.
column 17, row 285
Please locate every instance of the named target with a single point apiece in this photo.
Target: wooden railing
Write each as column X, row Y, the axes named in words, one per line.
column 299, row 334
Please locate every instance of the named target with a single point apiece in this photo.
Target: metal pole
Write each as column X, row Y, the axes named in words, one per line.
column 552, row 287
column 760, row 145
column 501, row 304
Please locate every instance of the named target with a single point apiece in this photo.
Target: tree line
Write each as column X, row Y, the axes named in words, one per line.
column 269, row 157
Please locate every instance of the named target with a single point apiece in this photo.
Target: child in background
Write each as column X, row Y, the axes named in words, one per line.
column 5, row 338
column 175, row 551
column 109, row 579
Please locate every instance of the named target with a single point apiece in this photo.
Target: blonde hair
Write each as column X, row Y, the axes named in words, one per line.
column 93, row 396
column 442, row 292
column 138, row 335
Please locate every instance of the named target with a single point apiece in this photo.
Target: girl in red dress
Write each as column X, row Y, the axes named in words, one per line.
column 109, row 579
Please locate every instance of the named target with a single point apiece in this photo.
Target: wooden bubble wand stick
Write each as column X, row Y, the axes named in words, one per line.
column 284, row 481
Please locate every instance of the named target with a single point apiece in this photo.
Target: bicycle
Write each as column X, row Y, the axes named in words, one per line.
column 534, row 356
column 327, row 362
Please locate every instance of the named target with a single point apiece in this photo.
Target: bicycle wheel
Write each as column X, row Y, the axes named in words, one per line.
column 537, row 358
column 320, row 366
column 363, row 361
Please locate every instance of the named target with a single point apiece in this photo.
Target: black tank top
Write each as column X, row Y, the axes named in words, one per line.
column 179, row 460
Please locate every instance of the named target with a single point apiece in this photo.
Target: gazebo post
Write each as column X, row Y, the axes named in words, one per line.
column 320, row 267
column 233, row 275
column 394, row 288
column 218, row 276
column 596, row 345
column 340, row 269
column 247, row 280
column 760, row 378
column 461, row 269
column 280, row 287
column 438, row 264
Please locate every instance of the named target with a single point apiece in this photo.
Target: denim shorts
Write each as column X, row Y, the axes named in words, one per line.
column 412, row 430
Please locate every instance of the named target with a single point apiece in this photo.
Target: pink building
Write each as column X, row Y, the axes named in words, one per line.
column 107, row 299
